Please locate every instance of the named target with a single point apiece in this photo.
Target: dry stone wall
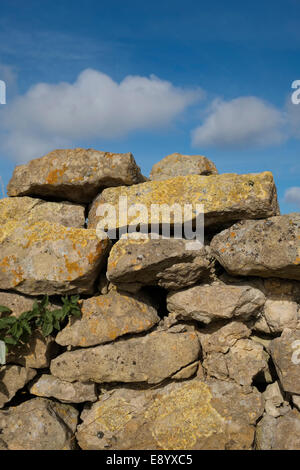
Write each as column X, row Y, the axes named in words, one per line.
column 175, row 348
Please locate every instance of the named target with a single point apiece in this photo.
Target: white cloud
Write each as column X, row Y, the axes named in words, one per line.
column 241, row 122
column 95, row 106
column 292, row 196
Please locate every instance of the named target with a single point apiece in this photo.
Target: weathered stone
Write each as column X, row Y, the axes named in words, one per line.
column 74, row 174
column 216, row 339
column 35, row 210
column 266, row 248
column 275, row 405
column 281, row 433
column 48, row 258
column 225, row 198
column 168, row 263
column 37, row 353
column 106, row 317
column 277, row 315
column 189, row 415
column 182, row 165
column 228, row 354
column 206, row 303
column 66, row 392
column 285, row 352
column 151, row 358
column 16, row 302
column 296, row 401
column 39, row 424
column 12, row 379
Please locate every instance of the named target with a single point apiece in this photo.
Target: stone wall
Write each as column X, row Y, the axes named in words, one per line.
column 175, row 348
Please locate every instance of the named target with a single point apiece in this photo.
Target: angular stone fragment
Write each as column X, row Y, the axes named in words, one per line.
column 216, row 339
column 35, row 210
column 37, row 353
column 66, row 392
column 278, row 315
column 74, row 174
column 285, row 352
column 275, row 405
column 189, row 415
column 228, row 354
column 282, row 433
column 12, row 379
column 168, row 263
column 106, row 317
column 226, row 198
column 39, row 424
column 48, row 258
column 207, row 303
column 182, row 165
column 151, row 358
column 266, row 248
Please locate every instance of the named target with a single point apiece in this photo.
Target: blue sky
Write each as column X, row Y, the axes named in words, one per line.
column 154, row 78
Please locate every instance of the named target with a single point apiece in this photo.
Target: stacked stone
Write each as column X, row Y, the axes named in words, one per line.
column 176, row 348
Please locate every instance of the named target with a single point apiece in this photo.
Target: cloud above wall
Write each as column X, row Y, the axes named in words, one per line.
column 240, row 123
column 292, row 196
column 94, row 106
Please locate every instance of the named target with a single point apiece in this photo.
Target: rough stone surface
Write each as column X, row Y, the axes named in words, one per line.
column 106, row 317
column 38, row 424
column 37, row 353
column 226, row 198
column 74, row 174
column 285, row 352
column 275, row 404
column 12, row 379
column 35, row 210
column 48, row 258
column 182, row 165
column 191, row 415
column 267, row 248
column 151, row 358
column 16, row 302
column 168, row 263
column 228, row 354
column 66, row 392
column 206, row 303
column 278, row 315
column 281, row 433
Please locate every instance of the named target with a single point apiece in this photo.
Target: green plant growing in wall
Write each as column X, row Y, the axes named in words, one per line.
column 17, row 330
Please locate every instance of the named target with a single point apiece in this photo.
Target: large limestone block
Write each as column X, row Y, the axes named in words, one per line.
column 266, row 248
column 151, row 358
column 66, row 392
column 48, row 258
column 282, row 433
column 226, row 198
column 182, row 165
column 207, row 303
column 74, row 174
column 168, row 263
column 12, row 379
column 106, row 317
column 190, row 415
column 38, row 424
column 285, row 352
column 35, row 210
